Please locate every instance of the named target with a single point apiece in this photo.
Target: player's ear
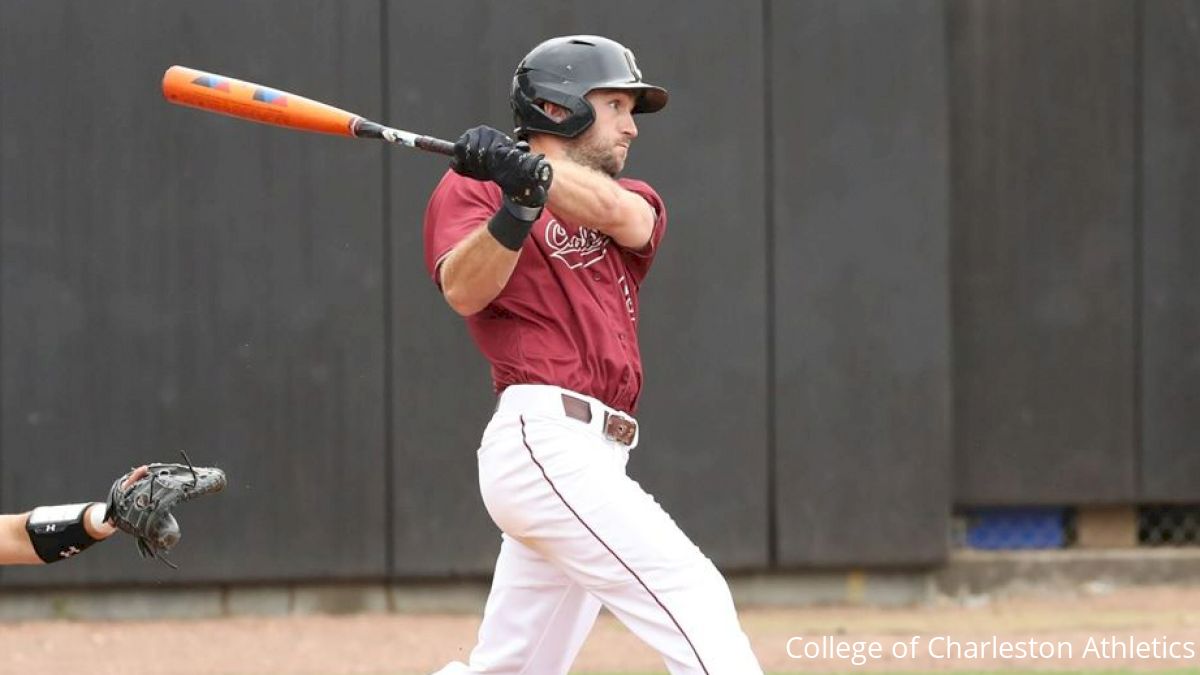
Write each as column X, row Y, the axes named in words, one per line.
column 555, row 111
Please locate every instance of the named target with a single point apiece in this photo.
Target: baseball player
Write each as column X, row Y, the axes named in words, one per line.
column 139, row 503
column 547, row 277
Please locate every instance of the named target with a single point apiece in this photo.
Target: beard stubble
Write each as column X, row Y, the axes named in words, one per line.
column 590, row 153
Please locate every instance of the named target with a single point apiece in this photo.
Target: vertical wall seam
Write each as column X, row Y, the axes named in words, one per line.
column 951, row 342
column 948, row 298
column 389, row 477
column 3, row 227
column 1138, row 263
column 769, row 245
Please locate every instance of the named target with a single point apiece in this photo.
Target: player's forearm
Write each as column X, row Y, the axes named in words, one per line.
column 16, row 546
column 475, row 272
column 584, row 196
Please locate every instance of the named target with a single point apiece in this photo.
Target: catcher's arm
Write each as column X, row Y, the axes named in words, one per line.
column 51, row 533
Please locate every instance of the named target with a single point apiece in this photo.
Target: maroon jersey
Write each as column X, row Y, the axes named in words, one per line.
column 568, row 316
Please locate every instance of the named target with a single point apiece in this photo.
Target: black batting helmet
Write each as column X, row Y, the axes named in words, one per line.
column 563, row 70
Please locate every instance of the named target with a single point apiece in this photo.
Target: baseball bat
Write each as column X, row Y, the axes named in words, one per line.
column 257, row 103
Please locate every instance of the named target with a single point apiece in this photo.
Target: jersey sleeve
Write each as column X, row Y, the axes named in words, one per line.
column 457, row 207
column 638, row 262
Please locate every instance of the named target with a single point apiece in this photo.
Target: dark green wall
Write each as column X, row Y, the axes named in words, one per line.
column 921, row 254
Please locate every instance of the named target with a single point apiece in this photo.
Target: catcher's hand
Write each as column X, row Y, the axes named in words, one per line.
column 140, row 502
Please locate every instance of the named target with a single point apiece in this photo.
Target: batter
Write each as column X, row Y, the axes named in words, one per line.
column 548, row 281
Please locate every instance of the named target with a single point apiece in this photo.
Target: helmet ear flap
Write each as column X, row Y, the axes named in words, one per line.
column 529, row 116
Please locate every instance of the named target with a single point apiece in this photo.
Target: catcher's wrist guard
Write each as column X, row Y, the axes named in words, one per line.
column 58, row 532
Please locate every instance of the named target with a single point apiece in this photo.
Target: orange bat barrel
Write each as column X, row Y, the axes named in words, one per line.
column 225, row 95
column 254, row 102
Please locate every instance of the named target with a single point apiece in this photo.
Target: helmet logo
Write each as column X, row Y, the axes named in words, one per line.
column 637, row 74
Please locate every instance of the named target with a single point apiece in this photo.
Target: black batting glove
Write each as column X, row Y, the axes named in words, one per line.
column 515, row 170
column 477, row 150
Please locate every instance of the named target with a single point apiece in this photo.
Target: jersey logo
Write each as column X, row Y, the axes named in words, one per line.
column 582, row 249
column 628, row 298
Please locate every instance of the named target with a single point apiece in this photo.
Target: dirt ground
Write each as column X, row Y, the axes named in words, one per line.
column 401, row 644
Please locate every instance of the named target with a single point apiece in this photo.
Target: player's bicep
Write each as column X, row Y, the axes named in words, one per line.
column 438, row 267
column 446, row 259
column 450, row 235
column 638, row 260
column 637, row 218
column 456, row 210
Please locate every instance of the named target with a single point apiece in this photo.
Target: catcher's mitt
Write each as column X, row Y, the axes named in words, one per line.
column 143, row 508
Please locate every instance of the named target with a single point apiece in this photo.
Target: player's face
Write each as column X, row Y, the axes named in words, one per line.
column 605, row 145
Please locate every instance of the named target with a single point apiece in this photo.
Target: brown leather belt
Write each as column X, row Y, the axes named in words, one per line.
column 616, row 427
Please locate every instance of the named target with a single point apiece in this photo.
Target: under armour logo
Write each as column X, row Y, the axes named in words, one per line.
column 69, row 552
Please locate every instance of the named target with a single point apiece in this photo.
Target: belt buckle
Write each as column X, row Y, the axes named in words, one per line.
column 619, row 428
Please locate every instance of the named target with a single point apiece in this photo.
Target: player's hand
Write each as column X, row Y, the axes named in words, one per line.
column 516, row 172
column 477, row 151
column 134, row 476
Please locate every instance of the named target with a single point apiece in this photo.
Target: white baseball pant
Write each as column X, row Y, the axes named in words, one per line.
column 578, row 534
